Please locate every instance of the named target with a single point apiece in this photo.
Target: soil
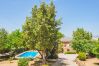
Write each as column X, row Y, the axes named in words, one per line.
column 12, row 63
column 89, row 62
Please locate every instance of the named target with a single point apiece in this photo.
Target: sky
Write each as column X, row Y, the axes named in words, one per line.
column 74, row 13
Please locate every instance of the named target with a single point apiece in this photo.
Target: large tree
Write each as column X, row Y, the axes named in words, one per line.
column 41, row 29
column 15, row 40
column 3, row 40
column 82, row 40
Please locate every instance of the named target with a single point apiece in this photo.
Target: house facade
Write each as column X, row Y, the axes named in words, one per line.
column 66, row 44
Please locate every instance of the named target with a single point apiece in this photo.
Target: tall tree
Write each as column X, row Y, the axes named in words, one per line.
column 82, row 40
column 41, row 29
column 15, row 39
column 3, row 40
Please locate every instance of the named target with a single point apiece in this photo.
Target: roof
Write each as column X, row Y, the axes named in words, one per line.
column 66, row 39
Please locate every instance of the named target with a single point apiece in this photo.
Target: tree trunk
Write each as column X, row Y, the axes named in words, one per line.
column 40, row 54
column 43, row 56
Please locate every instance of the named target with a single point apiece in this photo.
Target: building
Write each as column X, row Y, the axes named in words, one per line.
column 66, row 44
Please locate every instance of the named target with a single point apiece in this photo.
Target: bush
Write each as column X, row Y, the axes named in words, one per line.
column 23, row 62
column 70, row 52
column 82, row 56
column 45, row 65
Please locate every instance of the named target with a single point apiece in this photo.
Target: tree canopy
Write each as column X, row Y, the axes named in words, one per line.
column 82, row 40
column 41, row 29
column 3, row 40
column 15, row 39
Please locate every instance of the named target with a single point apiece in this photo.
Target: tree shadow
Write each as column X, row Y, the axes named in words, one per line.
column 96, row 63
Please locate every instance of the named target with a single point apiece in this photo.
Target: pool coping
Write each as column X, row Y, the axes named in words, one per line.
column 17, row 56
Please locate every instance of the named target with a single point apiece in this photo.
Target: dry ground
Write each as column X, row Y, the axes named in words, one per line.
column 12, row 63
column 90, row 62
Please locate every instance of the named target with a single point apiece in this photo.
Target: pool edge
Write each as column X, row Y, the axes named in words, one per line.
column 27, row 51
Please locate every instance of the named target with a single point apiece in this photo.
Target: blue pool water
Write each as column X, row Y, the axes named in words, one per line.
column 29, row 54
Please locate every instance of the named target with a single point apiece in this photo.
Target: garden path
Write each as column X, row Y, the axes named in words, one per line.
column 65, row 60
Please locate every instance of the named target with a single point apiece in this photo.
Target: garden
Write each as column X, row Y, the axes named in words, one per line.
column 41, row 32
column 86, row 47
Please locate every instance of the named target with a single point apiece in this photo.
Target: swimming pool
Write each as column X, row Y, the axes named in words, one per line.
column 28, row 54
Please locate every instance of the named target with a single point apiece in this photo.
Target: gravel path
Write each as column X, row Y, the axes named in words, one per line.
column 63, row 62
column 66, row 60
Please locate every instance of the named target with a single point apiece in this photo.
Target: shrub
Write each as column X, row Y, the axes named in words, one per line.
column 70, row 52
column 45, row 65
column 23, row 62
column 82, row 56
